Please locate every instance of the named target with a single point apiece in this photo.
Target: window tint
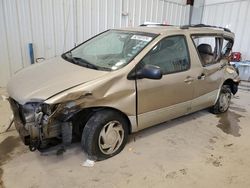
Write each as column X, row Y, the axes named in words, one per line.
column 170, row 54
column 209, row 49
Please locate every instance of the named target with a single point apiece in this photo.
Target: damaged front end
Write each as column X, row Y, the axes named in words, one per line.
column 38, row 126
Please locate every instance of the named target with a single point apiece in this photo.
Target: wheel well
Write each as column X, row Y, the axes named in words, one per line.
column 233, row 85
column 80, row 119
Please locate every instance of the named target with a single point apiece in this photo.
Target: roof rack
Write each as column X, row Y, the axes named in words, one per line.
column 204, row 25
column 154, row 24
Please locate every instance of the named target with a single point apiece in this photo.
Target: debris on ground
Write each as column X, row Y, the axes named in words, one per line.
column 130, row 149
column 4, row 98
column 228, row 145
column 88, row 163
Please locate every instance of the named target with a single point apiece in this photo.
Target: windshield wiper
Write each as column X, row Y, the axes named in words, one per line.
column 84, row 62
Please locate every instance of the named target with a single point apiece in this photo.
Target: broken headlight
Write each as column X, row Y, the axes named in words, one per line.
column 30, row 109
column 28, row 112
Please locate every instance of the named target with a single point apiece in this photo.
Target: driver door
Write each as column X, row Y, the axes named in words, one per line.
column 169, row 97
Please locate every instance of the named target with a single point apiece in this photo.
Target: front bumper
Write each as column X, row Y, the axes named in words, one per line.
column 24, row 133
column 37, row 132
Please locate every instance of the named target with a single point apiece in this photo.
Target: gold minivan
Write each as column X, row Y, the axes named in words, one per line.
column 122, row 81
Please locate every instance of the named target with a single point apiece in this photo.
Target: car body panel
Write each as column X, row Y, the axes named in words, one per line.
column 159, row 100
column 212, row 79
column 42, row 80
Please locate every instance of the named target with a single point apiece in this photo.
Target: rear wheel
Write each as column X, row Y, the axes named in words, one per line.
column 105, row 134
column 223, row 101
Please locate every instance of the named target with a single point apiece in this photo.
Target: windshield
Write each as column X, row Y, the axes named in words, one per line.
column 110, row 50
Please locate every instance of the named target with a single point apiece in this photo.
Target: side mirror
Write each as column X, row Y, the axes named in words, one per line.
column 150, row 72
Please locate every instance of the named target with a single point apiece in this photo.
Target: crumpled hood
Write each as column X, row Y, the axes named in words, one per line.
column 43, row 80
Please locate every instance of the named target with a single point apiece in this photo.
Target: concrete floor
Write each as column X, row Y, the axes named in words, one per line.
column 198, row 150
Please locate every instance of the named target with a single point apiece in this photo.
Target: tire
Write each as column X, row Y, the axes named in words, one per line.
column 104, row 135
column 223, row 101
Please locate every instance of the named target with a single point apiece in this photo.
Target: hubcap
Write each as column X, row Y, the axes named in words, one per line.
column 224, row 101
column 111, row 137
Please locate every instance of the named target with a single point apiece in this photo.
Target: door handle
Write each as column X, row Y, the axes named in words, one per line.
column 202, row 76
column 189, row 79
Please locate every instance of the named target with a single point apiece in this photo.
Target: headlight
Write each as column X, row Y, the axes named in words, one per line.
column 33, row 112
column 28, row 111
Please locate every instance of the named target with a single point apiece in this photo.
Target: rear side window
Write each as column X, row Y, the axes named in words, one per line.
column 209, row 49
column 226, row 48
column 170, row 54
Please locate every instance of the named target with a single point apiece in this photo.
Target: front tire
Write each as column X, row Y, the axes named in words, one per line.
column 105, row 134
column 223, row 101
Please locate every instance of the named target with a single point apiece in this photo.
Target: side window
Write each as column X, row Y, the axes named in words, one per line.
column 226, row 48
column 170, row 54
column 209, row 49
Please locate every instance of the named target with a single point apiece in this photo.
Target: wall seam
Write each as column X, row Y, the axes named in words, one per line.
column 7, row 41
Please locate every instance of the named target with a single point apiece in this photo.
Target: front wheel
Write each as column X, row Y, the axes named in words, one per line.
column 223, row 101
column 105, row 134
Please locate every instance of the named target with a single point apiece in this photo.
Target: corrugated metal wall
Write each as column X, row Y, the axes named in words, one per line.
column 233, row 14
column 54, row 26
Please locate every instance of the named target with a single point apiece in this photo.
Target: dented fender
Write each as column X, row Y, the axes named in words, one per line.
column 114, row 91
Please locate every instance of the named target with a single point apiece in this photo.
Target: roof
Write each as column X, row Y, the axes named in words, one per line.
column 192, row 29
column 152, row 29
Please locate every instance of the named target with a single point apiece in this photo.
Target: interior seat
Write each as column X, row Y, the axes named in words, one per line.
column 206, row 53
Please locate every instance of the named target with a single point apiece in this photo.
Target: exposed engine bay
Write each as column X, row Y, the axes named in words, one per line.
column 36, row 127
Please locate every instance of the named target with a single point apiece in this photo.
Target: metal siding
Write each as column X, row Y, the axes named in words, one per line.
column 54, row 26
column 232, row 14
column 49, row 42
column 37, row 27
column 12, row 35
column 25, row 29
column 58, row 18
column 69, row 30
column 5, row 66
